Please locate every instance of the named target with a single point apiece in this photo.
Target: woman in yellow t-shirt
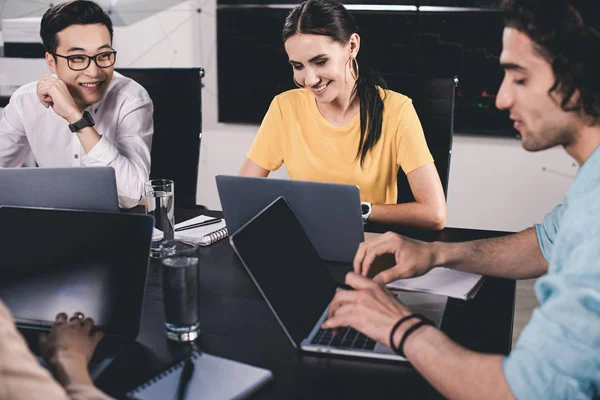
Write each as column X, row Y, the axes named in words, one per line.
column 342, row 126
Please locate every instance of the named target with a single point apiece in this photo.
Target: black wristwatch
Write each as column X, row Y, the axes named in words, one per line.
column 84, row 122
column 366, row 209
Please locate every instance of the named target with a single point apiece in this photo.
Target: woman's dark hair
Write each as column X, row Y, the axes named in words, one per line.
column 564, row 34
column 75, row 12
column 330, row 18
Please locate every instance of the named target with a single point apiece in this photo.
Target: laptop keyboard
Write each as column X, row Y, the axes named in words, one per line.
column 345, row 338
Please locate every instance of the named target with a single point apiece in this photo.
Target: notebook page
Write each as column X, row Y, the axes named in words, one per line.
column 441, row 280
column 214, row 378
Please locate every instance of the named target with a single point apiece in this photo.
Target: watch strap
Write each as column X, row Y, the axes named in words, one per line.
column 85, row 121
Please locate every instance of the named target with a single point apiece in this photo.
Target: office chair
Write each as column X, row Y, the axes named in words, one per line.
column 433, row 99
column 175, row 93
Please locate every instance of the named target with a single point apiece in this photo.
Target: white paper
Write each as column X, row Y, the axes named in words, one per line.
column 196, row 234
column 441, row 280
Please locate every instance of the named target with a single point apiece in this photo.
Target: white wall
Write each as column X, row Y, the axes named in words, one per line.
column 494, row 183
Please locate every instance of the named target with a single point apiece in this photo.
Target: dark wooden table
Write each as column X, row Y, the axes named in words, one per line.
column 236, row 323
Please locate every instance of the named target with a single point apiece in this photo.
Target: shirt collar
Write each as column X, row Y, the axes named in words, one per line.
column 588, row 174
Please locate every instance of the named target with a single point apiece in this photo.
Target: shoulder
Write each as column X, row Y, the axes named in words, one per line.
column 584, row 210
column 25, row 90
column 25, row 97
column 127, row 90
column 394, row 100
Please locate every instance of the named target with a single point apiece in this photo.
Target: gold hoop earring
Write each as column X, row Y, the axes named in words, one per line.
column 297, row 84
column 354, row 68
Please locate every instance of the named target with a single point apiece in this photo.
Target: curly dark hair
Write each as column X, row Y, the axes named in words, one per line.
column 74, row 12
column 565, row 33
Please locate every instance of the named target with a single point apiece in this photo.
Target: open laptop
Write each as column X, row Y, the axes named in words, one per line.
column 329, row 213
column 298, row 288
column 78, row 188
column 76, row 261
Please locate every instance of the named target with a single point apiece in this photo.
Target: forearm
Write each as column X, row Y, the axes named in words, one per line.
column 515, row 256
column 71, row 369
column 130, row 159
column 456, row 372
column 414, row 214
column 88, row 137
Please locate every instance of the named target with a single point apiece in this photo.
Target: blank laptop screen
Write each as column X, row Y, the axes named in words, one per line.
column 92, row 262
column 286, row 268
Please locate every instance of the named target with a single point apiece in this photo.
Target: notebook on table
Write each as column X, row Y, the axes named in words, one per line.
column 203, row 235
column 441, row 280
column 213, row 378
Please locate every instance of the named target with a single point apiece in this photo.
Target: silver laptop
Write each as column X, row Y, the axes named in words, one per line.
column 298, row 288
column 329, row 213
column 78, row 188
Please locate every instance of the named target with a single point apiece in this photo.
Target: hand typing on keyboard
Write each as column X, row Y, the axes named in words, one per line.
column 370, row 309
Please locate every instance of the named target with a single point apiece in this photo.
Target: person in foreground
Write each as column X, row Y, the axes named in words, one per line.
column 552, row 90
column 84, row 114
column 343, row 126
column 67, row 348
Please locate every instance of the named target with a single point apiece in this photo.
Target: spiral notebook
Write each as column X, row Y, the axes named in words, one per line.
column 213, row 378
column 203, row 235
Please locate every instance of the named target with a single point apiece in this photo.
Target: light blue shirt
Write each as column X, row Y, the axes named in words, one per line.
column 557, row 355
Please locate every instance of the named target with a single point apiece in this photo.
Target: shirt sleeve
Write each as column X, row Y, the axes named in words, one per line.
column 412, row 150
column 267, row 148
column 548, row 229
column 557, row 355
column 22, row 377
column 14, row 145
column 129, row 155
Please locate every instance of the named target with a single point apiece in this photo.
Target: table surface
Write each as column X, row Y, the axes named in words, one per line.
column 236, row 323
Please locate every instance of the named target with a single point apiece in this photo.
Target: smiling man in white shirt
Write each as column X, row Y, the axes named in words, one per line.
column 84, row 114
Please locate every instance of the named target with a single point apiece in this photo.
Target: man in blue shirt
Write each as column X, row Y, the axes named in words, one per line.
column 551, row 88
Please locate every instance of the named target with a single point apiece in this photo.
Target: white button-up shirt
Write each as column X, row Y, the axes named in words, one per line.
column 123, row 118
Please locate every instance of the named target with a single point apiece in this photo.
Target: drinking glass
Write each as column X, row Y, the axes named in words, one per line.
column 160, row 200
column 180, row 290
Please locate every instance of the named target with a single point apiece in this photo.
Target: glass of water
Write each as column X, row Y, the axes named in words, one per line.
column 160, row 203
column 180, row 290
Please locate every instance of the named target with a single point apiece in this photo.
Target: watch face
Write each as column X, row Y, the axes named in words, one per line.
column 365, row 208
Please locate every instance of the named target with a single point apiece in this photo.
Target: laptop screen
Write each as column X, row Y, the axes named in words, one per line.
column 67, row 188
column 67, row 261
column 286, row 268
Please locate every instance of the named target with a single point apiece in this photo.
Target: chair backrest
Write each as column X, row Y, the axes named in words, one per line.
column 175, row 93
column 433, row 99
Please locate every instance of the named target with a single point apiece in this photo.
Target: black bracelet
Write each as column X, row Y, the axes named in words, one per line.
column 395, row 327
column 424, row 321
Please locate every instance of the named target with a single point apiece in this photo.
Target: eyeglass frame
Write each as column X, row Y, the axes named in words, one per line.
column 89, row 58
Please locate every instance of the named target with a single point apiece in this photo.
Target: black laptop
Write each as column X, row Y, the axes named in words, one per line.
column 75, row 261
column 297, row 286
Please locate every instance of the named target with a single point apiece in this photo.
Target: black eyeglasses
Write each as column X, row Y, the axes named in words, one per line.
column 79, row 62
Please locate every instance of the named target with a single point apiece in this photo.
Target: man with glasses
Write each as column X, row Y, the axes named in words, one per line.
column 84, row 114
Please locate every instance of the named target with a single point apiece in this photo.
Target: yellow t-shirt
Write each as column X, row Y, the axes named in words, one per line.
column 295, row 133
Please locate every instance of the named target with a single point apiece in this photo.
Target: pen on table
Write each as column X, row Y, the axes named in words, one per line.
column 199, row 224
column 185, row 377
